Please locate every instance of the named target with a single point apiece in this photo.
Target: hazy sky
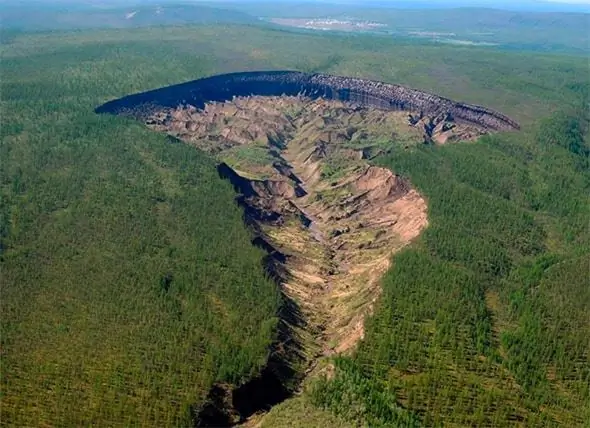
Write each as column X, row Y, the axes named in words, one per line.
column 491, row 2
column 559, row 5
column 570, row 1
column 487, row 3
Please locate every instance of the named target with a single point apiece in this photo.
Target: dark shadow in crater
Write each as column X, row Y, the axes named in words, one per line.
column 363, row 92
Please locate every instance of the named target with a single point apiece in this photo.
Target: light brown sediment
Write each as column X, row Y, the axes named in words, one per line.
column 338, row 225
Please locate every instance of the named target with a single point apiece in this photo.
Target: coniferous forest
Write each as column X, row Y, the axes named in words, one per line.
column 130, row 285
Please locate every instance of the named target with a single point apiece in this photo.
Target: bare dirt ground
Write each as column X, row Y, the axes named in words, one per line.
column 303, row 168
column 338, row 219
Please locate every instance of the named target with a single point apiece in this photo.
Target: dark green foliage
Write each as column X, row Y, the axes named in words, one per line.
column 550, row 298
column 129, row 283
column 358, row 398
column 567, row 132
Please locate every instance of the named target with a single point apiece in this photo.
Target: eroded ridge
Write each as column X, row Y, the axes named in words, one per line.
column 301, row 166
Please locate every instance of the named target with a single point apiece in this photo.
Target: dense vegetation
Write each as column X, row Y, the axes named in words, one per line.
column 75, row 16
column 129, row 285
column 484, row 322
column 129, row 282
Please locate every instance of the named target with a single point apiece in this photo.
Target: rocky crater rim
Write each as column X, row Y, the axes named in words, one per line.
column 365, row 92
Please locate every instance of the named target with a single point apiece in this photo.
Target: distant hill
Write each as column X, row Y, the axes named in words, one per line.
column 515, row 5
column 495, row 26
column 514, row 29
column 31, row 17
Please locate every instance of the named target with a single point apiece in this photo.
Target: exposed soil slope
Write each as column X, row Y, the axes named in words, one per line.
column 300, row 166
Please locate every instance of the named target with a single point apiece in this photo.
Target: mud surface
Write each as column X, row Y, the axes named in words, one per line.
column 328, row 219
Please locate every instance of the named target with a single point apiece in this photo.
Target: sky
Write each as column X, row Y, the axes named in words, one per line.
column 492, row 2
column 540, row 5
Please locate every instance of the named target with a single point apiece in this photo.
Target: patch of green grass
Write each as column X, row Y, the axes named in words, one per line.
column 299, row 412
column 360, row 399
column 251, row 157
column 333, row 194
column 337, row 166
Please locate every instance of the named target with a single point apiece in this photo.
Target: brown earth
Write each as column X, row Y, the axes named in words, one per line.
column 336, row 218
column 302, row 168
column 368, row 93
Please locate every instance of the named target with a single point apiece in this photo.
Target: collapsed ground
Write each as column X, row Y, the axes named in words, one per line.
column 89, row 200
column 330, row 219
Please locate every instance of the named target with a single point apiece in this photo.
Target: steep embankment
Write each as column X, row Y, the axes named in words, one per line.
column 329, row 220
column 364, row 92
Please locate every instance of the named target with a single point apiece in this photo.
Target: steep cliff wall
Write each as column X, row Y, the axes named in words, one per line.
column 360, row 91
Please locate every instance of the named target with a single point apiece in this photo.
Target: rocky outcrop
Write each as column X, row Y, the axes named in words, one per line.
column 358, row 91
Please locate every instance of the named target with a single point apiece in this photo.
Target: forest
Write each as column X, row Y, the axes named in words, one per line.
column 130, row 285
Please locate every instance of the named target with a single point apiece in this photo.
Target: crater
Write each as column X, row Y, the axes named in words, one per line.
column 296, row 147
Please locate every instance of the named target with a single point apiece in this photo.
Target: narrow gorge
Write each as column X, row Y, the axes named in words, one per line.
column 298, row 150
